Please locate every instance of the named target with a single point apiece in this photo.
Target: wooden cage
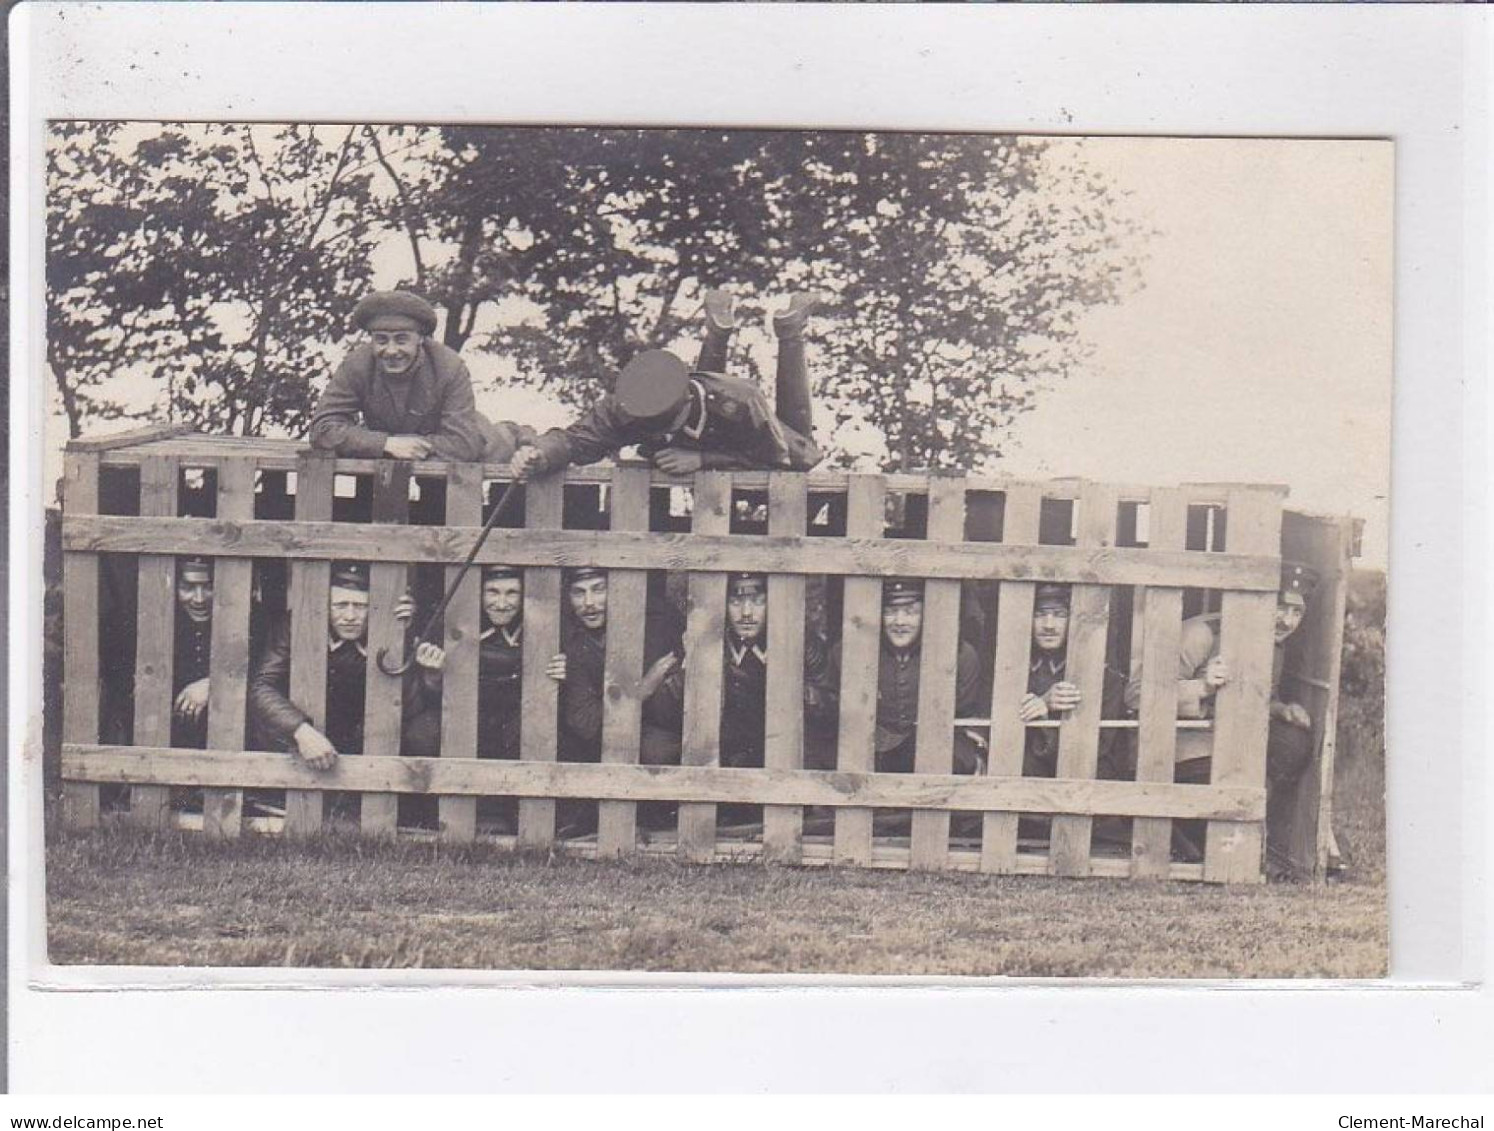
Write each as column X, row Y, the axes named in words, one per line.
column 275, row 515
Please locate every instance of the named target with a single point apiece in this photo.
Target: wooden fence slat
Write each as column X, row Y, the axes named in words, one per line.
column 885, row 557
column 694, row 784
column 783, row 747
column 80, row 636
column 309, row 585
column 705, row 624
column 1160, row 630
column 617, row 821
column 860, row 644
column 938, row 651
column 543, row 510
column 1079, row 734
column 155, row 639
column 130, row 438
column 998, row 838
column 1232, row 853
column 384, row 698
column 459, row 681
column 222, row 809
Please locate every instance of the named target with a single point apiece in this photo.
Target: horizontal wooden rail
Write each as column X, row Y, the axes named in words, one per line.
column 1105, row 724
column 884, row 557
column 462, row 776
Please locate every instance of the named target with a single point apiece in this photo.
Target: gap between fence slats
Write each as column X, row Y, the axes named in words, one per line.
column 939, row 649
column 1247, row 626
column 703, row 648
column 155, row 639
column 1009, row 680
column 460, row 686
column 1161, row 627
column 622, row 719
column 1079, row 734
column 988, row 561
column 309, row 586
column 233, row 580
column 783, row 747
column 384, row 696
column 860, row 645
column 80, row 636
column 539, row 694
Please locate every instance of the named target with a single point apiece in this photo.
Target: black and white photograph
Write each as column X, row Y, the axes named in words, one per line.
column 716, row 550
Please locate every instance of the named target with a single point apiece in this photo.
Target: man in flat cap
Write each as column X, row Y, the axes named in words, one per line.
column 405, row 395
column 744, row 674
column 276, row 723
column 1202, row 671
column 684, row 421
column 580, row 669
column 897, row 682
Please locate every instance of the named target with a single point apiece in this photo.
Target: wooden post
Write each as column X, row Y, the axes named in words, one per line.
column 861, row 631
column 627, row 591
column 222, row 809
column 80, row 639
column 309, row 583
column 384, row 696
column 1232, row 853
column 783, row 748
column 998, row 839
column 155, row 639
column 703, row 631
column 543, row 501
column 459, row 680
column 1161, row 625
column 1079, row 730
column 939, row 649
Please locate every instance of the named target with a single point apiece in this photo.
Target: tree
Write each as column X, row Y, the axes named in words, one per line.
column 216, row 263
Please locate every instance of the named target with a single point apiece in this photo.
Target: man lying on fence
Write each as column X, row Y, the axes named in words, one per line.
column 1203, row 670
column 404, row 395
column 897, row 685
column 276, row 723
column 744, row 676
column 686, row 421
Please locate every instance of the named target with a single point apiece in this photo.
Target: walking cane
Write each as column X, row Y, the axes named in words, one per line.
column 383, row 654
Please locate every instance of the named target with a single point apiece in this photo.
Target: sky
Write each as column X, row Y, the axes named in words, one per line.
column 1257, row 349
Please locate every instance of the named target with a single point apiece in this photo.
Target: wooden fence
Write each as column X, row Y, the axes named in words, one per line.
column 1138, row 560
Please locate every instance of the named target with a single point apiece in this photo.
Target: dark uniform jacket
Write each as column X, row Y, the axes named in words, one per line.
column 1040, row 751
column 273, row 718
column 897, row 691
column 192, row 650
column 583, row 693
column 744, row 696
column 500, row 671
column 361, row 408
column 730, row 423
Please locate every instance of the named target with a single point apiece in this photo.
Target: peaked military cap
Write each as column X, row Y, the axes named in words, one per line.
column 901, row 590
column 742, row 579
column 1298, row 579
column 495, row 570
column 1050, row 593
column 652, row 388
column 584, row 573
column 350, row 575
column 194, row 562
column 403, row 304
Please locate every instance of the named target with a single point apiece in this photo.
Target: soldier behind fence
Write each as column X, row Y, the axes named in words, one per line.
column 744, row 676
column 897, row 683
column 404, row 395
column 191, row 652
column 1203, row 670
column 279, row 724
column 686, row 421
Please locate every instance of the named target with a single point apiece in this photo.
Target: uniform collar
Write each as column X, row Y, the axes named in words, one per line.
column 1042, row 660
column 695, row 419
column 739, row 652
column 511, row 638
column 335, row 645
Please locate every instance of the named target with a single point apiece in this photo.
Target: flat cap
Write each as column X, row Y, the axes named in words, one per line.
column 1298, row 579
column 652, row 388
column 350, row 575
column 403, row 304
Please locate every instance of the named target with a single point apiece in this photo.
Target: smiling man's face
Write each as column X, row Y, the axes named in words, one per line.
column 396, row 343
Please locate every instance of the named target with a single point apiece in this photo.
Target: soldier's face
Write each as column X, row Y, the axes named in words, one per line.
column 1050, row 626
column 1289, row 612
column 194, row 595
column 589, row 601
column 348, row 613
column 747, row 611
column 396, row 343
column 502, row 598
column 902, row 622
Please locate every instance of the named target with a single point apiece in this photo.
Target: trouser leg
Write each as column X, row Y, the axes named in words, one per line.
column 792, row 402
column 713, row 349
column 1288, row 754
